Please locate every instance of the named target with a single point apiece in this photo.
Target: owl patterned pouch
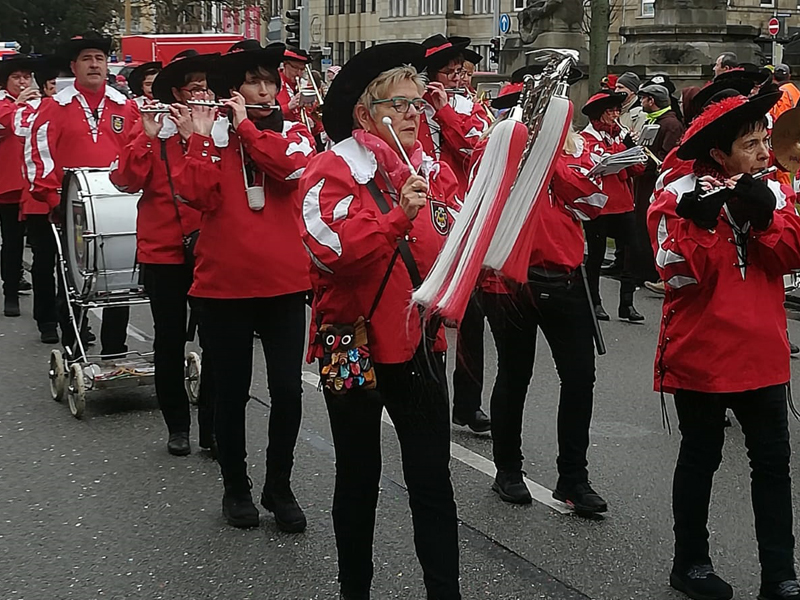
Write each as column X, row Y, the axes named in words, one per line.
column 346, row 362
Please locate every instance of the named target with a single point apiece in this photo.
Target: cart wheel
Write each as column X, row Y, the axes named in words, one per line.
column 57, row 376
column 192, row 376
column 77, row 391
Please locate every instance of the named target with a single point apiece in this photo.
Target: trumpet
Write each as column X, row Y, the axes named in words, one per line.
column 212, row 104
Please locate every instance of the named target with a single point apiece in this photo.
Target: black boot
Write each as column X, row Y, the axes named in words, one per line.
column 626, row 309
column 699, row 582
column 346, row 596
column 601, row 313
column 237, row 503
column 478, row 421
column 178, row 444
column 49, row 333
column 783, row 590
column 581, row 497
column 511, row 488
column 11, row 306
column 277, row 497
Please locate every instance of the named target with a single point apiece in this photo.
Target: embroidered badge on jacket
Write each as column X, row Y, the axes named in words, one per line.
column 439, row 216
column 117, row 123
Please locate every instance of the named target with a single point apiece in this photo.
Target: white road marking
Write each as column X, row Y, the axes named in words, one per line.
column 472, row 459
column 134, row 332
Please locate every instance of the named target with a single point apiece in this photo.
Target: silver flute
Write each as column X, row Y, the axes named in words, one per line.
column 759, row 175
column 212, row 104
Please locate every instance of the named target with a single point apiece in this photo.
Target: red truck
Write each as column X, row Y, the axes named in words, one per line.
column 162, row 47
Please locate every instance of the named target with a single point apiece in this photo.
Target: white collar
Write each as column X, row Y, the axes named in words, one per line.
column 66, row 95
column 361, row 160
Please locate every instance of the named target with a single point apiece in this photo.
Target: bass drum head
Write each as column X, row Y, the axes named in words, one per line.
column 78, row 219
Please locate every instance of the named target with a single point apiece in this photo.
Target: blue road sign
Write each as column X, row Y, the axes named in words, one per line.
column 505, row 23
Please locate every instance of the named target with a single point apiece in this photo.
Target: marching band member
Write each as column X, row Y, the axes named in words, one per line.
column 85, row 125
column 293, row 72
column 165, row 228
column 373, row 230
column 555, row 300
column 140, row 81
column 603, row 135
column 449, row 130
column 17, row 88
column 252, row 271
column 723, row 335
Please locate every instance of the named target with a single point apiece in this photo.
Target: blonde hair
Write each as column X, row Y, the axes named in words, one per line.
column 573, row 141
column 381, row 85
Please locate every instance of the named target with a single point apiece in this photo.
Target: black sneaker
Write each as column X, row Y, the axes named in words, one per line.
column 24, row 286
column 348, row 596
column 11, row 306
column 479, row 421
column 178, row 444
column 239, row 510
column 699, row 582
column 793, row 348
column 783, row 590
column 277, row 498
column 601, row 313
column 48, row 333
column 630, row 313
column 581, row 497
column 511, row 488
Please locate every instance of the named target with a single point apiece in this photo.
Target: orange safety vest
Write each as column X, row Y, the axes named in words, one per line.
column 789, row 99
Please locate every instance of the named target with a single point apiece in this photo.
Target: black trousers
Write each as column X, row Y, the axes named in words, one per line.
column 229, row 326
column 564, row 317
column 468, row 374
column 621, row 227
column 43, row 245
column 12, row 231
column 167, row 286
column 415, row 396
column 763, row 416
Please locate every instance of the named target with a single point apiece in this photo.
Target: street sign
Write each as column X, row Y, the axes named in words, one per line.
column 505, row 23
column 774, row 26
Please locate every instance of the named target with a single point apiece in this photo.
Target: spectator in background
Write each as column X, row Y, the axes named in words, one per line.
column 791, row 95
column 631, row 116
column 724, row 63
column 687, row 103
column 609, row 82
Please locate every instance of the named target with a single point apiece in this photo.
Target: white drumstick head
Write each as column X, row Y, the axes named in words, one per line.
column 387, row 121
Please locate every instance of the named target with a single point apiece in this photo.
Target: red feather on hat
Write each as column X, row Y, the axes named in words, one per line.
column 712, row 113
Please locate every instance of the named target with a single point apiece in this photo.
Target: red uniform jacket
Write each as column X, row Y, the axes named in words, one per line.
column 64, row 135
column 724, row 325
column 141, row 167
column 12, row 182
column 245, row 253
column 351, row 242
column 616, row 187
column 452, row 133
column 285, row 94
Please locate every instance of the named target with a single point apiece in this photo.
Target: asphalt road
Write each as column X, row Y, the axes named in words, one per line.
column 97, row 508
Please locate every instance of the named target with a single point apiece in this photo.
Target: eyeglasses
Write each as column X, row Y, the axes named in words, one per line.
column 195, row 91
column 453, row 73
column 401, row 104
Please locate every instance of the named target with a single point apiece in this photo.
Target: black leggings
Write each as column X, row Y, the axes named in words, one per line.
column 621, row 227
column 12, row 231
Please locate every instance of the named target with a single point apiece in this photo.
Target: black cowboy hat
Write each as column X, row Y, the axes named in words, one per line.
column 356, row 74
column 440, row 50
column 602, row 100
column 230, row 69
column 742, row 85
column 172, row 75
column 508, row 96
column 719, row 117
column 298, row 54
column 758, row 76
column 15, row 62
column 137, row 76
column 575, row 74
column 245, row 45
column 88, row 40
column 49, row 67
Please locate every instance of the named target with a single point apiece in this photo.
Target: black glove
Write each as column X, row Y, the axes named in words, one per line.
column 757, row 200
column 628, row 141
column 702, row 210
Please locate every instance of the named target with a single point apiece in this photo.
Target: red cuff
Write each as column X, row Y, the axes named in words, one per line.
column 202, row 147
column 398, row 222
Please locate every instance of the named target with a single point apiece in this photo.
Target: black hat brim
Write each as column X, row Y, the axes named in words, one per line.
column 231, row 68
column 703, row 140
column 702, row 98
column 136, row 77
column 72, row 48
column 467, row 52
column 506, row 101
column 457, row 48
column 173, row 74
column 756, row 76
column 356, row 75
column 599, row 106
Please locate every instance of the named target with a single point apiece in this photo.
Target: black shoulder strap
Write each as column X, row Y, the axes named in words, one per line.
column 171, row 185
column 402, row 244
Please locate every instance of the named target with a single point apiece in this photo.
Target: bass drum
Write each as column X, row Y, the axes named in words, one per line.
column 99, row 235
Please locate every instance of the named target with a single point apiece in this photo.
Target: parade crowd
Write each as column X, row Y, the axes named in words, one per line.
column 267, row 189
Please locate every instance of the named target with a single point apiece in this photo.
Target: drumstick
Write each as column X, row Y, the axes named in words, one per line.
column 388, row 122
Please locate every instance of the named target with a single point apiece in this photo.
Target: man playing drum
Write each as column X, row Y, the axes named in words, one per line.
column 85, row 125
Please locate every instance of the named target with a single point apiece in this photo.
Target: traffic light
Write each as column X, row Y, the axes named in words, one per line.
column 293, row 28
column 494, row 50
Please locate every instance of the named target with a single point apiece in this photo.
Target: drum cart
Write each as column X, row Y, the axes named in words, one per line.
column 96, row 246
